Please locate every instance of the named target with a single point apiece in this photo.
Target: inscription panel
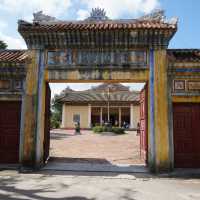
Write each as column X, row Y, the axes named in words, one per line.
column 179, row 85
column 4, row 84
column 11, row 85
column 194, row 85
column 97, row 57
column 186, row 86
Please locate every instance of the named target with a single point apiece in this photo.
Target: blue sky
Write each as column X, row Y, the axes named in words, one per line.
column 188, row 12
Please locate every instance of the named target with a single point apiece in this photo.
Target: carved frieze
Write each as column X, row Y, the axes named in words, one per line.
column 97, row 57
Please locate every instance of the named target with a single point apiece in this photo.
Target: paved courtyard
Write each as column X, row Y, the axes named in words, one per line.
column 97, row 148
column 47, row 185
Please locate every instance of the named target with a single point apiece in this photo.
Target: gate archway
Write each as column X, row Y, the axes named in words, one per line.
column 99, row 49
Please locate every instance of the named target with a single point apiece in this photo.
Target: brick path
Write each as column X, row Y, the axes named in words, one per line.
column 97, row 148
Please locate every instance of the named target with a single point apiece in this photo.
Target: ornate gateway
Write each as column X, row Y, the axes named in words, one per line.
column 104, row 50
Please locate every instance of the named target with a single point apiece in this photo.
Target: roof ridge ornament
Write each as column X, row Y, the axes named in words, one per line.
column 97, row 14
column 159, row 15
column 40, row 17
column 156, row 15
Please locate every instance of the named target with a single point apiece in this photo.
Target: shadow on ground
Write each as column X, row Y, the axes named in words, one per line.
column 15, row 188
column 60, row 136
column 79, row 160
column 9, row 191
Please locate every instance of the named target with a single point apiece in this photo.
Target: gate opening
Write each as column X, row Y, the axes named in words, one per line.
column 102, row 111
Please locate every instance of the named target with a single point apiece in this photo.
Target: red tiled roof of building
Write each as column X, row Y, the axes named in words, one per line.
column 184, row 55
column 14, row 56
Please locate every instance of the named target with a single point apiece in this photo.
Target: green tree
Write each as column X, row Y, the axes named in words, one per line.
column 56, row 112
column 56, row 108
column 3, row 45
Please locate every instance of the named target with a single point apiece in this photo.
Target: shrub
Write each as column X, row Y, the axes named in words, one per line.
column 107, row 129
column 54, row 123
column 118, row 130
column 97, row 129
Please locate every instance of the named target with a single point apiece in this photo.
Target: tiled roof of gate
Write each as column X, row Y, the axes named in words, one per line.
column 14, row 56
column 95, row 25
column 184, row 55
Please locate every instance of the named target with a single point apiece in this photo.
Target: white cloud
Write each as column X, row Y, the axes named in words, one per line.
column 82, row 14
column 25, row 7
column 117, row 8
column 13, row 42
column 3, row 25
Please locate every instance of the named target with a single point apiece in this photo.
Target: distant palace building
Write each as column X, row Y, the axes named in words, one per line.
column 107, row 102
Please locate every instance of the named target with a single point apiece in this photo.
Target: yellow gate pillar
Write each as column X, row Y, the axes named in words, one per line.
column 33, row 111
column 159, row 140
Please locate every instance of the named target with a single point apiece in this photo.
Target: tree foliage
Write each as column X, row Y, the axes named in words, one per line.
column 56, row 112
column 3, row 45
column 56, row 108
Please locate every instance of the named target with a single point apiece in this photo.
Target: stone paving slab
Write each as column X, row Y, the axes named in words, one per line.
column 63, row 185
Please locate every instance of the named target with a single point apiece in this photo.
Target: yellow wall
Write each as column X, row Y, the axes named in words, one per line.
column 68, row 113
column 136, row 115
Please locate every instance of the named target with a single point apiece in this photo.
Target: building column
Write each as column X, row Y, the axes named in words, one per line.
column 120, row 117
column 101, row 116
column 63, row 116
column 131, row 116
column 89, row 115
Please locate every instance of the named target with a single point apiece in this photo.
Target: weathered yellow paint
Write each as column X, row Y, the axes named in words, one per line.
column 41, row 119
column 29, row 126
column 46, row 75
column 108, row 76
column 186, row 99
column 161, row 111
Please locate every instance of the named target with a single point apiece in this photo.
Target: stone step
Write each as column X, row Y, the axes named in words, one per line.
column 87, row 167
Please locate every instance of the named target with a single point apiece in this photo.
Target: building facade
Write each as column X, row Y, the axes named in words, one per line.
column 99, row 49
column 112, row 103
